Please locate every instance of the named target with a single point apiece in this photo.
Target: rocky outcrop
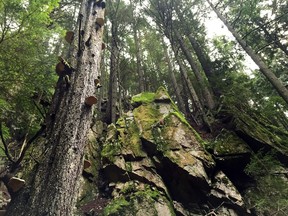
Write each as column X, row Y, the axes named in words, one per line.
column 155, row 164
column 258, row 131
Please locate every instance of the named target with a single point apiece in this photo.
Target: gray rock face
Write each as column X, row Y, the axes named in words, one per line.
column 157, row 166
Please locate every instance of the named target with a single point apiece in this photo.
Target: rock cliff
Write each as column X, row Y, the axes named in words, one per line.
column 155, row 163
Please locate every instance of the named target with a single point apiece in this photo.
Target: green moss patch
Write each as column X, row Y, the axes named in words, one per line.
column 130, row 140
column 134, row 199
column 228, row 143
column 145, row 97
column 145, row 117
column 110, row 150
column 116, row 207
column 260, row 128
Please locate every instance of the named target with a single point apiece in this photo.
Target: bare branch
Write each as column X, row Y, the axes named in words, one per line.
column 6, row 150
column 19, row 160
column 265, row 24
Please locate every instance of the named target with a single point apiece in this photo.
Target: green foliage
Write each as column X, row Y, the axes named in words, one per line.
column 263, row 34
column 262, row 164
column 26, row 67
column 270, row 195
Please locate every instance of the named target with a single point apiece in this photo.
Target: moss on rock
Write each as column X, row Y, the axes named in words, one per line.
column 117, row 207
column 142, row 98
column 228, row 143
column 259, row 128
column 145, row 117
column 140, row 200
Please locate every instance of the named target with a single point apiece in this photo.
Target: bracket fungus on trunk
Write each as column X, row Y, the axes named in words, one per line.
column 97, row 83
column 60, row 68
column 99, row 23
column 63, row 67
column 103, row 46
column 69, row 36
column 87, row 164
column 16, row 183
column 89, row 101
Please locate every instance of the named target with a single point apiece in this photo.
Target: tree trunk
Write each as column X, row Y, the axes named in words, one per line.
column 139, row 60
column 193, row 95
column 276, row 83
column 53, row 186
column 206, row 93
column 202, row 57
column 113, row 82
column 174, row 81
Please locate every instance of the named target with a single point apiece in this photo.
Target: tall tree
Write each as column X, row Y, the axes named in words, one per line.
column 209, row 100
column 113, row 81
column 137, row 39
column 267, row 72
column 117, row 17
column 179, row 98
column 53, row 187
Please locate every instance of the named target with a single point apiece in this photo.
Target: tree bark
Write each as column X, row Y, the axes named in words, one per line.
column 206, row 93
column 202, row 57
column 193, row 95
column 113, row 82
column 139, row 60
column 174, row 81
column 53, row 186
column 276, row 83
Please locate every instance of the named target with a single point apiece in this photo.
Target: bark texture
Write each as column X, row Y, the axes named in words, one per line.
column 206, row 93
column 202, row 57
column 114, row 66
column 139, row 59
column 192, row 92
column 53, row 185
column 174, row 81
column 277, row 83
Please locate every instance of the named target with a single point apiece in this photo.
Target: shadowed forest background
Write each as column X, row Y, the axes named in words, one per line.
column 143, row 47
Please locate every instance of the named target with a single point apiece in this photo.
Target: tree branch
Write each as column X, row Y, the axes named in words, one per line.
column 6, row 150
column 39, row 132
column 265, row 24
column 39, row 109
column 266, row 45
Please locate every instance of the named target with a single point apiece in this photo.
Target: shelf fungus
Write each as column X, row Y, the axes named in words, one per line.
column 16, row 183
column 69, row 36
column 99, row 23
column 103, row 46
column 63, row 67
column 89, row 101
column 60, row 68
column 97, row 83
column 87, row 164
